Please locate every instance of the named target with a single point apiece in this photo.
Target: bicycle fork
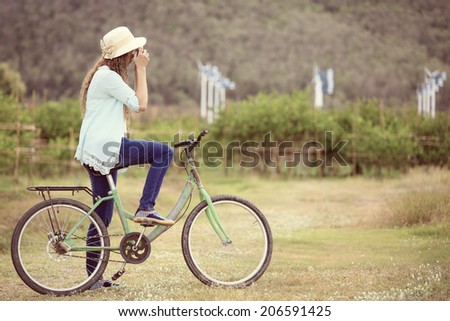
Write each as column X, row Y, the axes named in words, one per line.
column 213, row 218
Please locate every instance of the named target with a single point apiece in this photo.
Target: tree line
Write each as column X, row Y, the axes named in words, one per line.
column 376, row 48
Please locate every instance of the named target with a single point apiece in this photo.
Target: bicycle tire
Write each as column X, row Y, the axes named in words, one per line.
column 217, row 264
column 35, row 257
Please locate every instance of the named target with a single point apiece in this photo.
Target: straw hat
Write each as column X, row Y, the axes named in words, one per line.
column 119, row 41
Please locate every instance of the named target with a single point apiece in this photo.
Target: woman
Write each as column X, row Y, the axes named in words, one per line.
column 106, row 101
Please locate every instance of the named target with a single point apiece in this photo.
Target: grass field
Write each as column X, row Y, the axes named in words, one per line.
column 334, row 239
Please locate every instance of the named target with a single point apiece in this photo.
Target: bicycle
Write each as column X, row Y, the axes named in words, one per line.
column 226, row 240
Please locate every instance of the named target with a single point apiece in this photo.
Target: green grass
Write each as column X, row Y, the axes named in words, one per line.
column 330, row 242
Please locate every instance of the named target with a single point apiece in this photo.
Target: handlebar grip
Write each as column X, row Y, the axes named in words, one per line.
column 180, row 144
column 203, row 133
column 192, row 143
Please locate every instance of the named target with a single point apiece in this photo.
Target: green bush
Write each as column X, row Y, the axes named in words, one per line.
column 11, row 111
column 58, row 118
column 286, row 117
column 382, row 139
column 7, row 144
column 11, row 82
column 433, row 140
column 55, row 157
column 8, row 108
column 379, row 137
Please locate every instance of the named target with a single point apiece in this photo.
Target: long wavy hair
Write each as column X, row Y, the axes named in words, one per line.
column 118, row 64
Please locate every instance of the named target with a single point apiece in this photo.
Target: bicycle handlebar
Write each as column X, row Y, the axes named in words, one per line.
column 203, row 133
column 192, row 143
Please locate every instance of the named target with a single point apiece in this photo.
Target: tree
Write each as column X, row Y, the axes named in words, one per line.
column 11, row 83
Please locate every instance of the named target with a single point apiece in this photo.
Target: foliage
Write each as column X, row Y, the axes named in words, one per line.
column 377, row 48
column 55, row 158
column 434, row 139
column 379, row 137
column 58, row 123
column 10, row 82
column 59, row 119
column 11, row 111
column 8, row 108
column 7, row 143
column 287, row 117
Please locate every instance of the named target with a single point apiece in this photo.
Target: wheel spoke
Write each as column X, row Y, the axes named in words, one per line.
column 43, row 259
column 236, row 264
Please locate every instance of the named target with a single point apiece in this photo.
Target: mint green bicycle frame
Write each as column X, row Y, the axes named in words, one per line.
column 193, row 180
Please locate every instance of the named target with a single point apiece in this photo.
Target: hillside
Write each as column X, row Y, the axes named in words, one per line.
column 377, row 48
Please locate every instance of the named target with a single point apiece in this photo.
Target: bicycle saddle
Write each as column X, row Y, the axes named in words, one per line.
column 97, row 173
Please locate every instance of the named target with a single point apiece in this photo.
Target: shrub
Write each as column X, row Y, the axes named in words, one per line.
column 379, row 137
column 433, row 139
column 11, row 82
column 57, row 119
column 7, row 144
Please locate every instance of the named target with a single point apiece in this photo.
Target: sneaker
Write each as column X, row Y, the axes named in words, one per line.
column 151, row 217
column 102, row 283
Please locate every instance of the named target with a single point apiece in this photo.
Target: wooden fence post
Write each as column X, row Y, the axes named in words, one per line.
column 354, row 133
column 17, row 150
column 71, row 148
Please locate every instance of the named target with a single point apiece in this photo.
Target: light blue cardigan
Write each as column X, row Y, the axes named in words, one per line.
column 103, row 124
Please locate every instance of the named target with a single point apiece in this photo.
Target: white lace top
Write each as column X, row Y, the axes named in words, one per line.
column 103, row 123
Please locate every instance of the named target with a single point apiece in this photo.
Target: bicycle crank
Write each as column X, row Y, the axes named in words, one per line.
column 135, row 248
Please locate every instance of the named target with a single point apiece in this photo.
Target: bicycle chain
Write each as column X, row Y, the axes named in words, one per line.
column 96, row 259
column 98, row 236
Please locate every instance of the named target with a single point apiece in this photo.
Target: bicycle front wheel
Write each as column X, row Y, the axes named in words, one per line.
column 40, row 253
column 237, row 263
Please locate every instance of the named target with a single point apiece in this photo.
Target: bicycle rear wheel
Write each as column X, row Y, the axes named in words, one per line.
column 42, row 259
column 237, row 264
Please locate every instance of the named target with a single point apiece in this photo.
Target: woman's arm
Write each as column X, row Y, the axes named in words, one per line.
column 140, row 78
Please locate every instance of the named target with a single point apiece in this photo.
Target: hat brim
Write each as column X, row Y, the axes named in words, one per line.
column 136, row 43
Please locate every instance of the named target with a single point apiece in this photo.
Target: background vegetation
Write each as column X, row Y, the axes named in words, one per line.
column 378, row 137
column 377, row 48
column 352, row 238
column 380, row 140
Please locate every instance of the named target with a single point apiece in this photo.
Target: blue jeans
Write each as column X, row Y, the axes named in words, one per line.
column 132, row 152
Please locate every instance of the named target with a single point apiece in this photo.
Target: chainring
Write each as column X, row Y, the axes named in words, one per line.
column 131, row 251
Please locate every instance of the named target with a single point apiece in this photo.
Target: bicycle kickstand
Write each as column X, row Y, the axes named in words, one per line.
column 119, row 273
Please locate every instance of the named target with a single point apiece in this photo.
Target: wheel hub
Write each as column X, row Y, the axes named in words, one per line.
column 56, row 249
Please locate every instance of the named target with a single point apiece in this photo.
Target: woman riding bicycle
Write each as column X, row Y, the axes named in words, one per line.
column 106, row 102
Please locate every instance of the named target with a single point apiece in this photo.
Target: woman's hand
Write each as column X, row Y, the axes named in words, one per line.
column 141, row 58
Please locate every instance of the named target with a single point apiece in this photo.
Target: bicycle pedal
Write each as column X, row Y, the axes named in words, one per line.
column 149, row 224
column 145, row 224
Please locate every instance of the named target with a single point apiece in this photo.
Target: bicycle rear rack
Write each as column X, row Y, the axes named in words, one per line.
column 42, row 190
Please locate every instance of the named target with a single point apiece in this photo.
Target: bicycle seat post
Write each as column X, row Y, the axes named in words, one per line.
column 111, row 183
